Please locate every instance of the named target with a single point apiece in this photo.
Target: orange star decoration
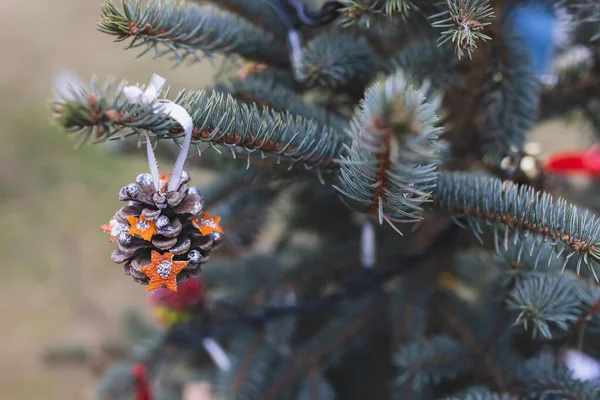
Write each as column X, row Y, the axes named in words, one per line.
column 208, row 225
column 142, row 227
column 164, row 181
column 163, row 271
column 114, row 228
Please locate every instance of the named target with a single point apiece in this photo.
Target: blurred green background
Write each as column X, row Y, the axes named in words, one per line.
column 58, row 284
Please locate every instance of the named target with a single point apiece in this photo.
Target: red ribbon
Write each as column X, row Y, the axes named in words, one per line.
column 140, row 373
column 581, row 162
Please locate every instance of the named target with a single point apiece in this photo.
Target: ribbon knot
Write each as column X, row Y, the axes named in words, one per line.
column 149, row 98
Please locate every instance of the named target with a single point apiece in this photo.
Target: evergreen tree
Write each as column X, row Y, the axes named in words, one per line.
column 419, row 253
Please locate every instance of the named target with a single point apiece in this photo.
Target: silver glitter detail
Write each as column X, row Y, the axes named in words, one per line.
column 185, row 176
column 193, row 190
column 162, row 221
column 133, row 190
column 116, row 228
column 197, row 208
column 124, row 238
column 144, row 179
column 164, row 269
column 194, row 256
column 142, row 225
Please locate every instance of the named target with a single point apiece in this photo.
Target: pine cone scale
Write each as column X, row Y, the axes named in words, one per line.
column 165, row 243
column 181, row 247
column 150, row 214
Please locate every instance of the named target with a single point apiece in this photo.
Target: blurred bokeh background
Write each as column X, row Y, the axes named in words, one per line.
column 58, row 286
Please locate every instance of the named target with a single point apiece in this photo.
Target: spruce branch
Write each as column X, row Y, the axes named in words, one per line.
column 243, row 217
column 362, row 11
column 343, row 332
column 569, row 94
column 521, row 211
column 284, row 77
column 548, row 305
column 229, row 184
column 366, row 11
column 406, row 391
column 264, row 90
column 464, row 20
column 485, row 329
column 480, row 393
column 440, row 357
column 218, row 120
column 398, row 7
column 358, row 285
column 409, row 307
column 588, row 11
column 425, row 60
column 117, row 382
column 391, row 166
column 337, row 61
column 511, row 100
column 546, row 377
column 247, row 352
column 517, row 263
column 253, row 358
column 316, row 387
column 586, row 330
column 236, row 281
column 237, row 275
column 258, row 12
column 187, row 30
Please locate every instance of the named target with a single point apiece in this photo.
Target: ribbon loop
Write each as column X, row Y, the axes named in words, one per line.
column 149, row 97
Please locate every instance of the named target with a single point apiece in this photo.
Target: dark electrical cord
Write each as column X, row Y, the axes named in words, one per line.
column 353, row 286
column 281, row 10
column 327, row 14
column 294, row 13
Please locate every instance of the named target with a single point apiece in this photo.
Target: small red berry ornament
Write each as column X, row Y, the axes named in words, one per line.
column 189, row 296
column 142, row 388
column 575, row 162
column 163, row 235
column 171, row 308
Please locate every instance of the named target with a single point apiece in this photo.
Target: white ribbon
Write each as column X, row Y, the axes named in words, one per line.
column 295, row 42
column 149, row 97
column 367, row 245
column 290, row 298
column 217, row 354
column 582, row 366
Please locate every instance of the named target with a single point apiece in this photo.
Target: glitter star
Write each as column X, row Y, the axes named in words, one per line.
column 142, row 227
column 114, row 228
column 207, row 225
column 163, row 271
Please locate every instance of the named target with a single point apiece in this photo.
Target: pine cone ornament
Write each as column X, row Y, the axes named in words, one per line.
column 163, row 237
